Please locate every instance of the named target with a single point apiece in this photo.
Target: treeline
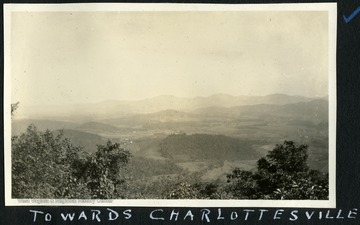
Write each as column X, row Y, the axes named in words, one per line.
column 47, row 165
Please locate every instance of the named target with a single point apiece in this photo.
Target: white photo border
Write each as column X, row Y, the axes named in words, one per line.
column 331, row 8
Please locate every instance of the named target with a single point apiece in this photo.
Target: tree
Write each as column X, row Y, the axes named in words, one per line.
column 282, row 174
column 183, row 190
column 14, row 107
column 243, row 184
column 101, row 171
column 189, row 186
column 45, row 165
column 41, row 162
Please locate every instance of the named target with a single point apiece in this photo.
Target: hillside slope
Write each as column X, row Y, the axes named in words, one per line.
column 197, row 147
column 20, row 126
column 88, row 141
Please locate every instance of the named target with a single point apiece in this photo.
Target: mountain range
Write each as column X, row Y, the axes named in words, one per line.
column 115, row 109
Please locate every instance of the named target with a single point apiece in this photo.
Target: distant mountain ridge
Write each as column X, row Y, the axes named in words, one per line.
column 113, row 108
column 313, row 109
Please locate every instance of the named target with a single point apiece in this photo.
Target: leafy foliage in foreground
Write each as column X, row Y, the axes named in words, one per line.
column 45, row 165
column 101, row 172
column 39, row 161
column 282, row 174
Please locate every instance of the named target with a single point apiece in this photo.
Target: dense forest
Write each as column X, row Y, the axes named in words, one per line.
column 45, row 164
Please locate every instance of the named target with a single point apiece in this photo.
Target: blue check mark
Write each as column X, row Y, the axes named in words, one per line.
column 348, row 19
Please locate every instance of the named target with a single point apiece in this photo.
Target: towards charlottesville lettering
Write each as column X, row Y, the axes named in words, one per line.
column 205, row 215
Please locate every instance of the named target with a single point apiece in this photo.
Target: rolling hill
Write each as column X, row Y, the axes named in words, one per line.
column 79, row 138
column 198, row 147
column 88, row 141
column 19, row 126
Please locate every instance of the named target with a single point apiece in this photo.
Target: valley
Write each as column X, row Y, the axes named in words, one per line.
column 204, row 138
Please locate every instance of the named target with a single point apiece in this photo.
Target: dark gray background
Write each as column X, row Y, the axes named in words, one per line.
column 348, row 141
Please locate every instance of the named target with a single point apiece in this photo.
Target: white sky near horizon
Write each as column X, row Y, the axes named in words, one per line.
column 84, row 57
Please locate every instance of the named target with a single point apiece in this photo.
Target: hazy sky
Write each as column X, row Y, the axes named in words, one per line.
column 83, row 57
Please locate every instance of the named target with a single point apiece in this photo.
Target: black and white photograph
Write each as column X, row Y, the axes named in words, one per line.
column 170, row 104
